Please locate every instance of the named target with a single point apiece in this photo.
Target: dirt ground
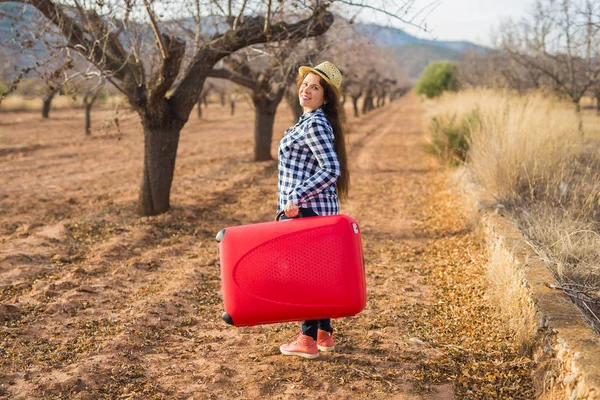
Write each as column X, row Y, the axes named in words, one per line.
column 97, row 302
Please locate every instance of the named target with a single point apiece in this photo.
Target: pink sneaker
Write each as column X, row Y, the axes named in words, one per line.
column 325, row 340
column 302, row 345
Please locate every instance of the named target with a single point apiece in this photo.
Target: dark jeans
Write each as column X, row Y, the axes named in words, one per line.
column 311, row 327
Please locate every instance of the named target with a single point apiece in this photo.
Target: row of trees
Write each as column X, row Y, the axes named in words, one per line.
column 159, row 54
column 266, row 74
column 556, row 48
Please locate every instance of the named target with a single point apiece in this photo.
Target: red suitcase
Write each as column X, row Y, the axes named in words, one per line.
column 292, row 270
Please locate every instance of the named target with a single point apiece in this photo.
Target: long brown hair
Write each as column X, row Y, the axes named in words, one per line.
column 334, row 111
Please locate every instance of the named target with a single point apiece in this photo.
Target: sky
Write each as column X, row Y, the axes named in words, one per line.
column 471, row 20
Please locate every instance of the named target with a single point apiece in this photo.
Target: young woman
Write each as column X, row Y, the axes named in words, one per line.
column 313, row 175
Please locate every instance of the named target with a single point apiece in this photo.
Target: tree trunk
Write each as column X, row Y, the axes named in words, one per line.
column 160, row 150
column 291, row 97
column 579, row 116
column 355, row 105
column 47, row 102
column 367, row 103
column 88, row 100
column 598, row 104
column 232, row 106
column 264, row 112
column 88, row 119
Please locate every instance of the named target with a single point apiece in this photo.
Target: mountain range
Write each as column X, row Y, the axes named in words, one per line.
column 413, row 54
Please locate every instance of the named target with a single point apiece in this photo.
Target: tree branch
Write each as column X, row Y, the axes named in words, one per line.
column 237, row 20
column 77, row 38
column 381, row 10
column 268, row 19
column 169, row 69
column 156, row 31
column 250, row 32
column 241, row 80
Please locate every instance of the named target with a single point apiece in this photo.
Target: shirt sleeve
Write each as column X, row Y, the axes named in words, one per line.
column 320, row 140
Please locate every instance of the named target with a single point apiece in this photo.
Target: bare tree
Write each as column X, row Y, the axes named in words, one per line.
column 268, row 77
column 113, row 35
column 399, row 92
column 51, row 91
column 291, row 97
column 207, row 89
column 91, row 95
column 368, row 71
column 560, row 41
column 353, row 87
column 497, row 69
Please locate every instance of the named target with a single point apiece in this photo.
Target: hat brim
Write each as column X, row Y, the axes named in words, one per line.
column 305, row 70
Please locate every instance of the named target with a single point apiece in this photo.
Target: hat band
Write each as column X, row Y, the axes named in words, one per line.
column 318, row 70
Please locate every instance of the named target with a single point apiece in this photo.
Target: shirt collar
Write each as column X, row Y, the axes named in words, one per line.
column 308, row 114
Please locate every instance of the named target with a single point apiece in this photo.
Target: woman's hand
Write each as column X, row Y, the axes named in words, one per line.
column 290, row 209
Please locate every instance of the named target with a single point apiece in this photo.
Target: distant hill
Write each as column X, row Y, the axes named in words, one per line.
column 413, row 54
column 414, row 57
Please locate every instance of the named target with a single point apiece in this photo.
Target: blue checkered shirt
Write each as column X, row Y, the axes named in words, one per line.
column 308, row 165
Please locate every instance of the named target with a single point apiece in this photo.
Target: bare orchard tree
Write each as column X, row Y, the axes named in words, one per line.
column 353, row 88
column 141, row 54
column 400, row 91
column 497, row 69
column 370, row 82
column 291, row 98
column 55, row 82
column 368, row 72
column 51, row 90
column 351, row 52
column 267, row 72
column 91, row 95
column 561, row 41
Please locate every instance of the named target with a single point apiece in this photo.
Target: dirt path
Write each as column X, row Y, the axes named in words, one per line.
column 99, row 303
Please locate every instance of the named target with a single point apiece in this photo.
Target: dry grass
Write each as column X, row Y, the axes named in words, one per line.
column 506, row 279
column 522, row 145
column 591, row 124
column 528, row 153
column 569, row 245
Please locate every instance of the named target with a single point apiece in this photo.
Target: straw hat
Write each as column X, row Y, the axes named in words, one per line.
column 327, row 71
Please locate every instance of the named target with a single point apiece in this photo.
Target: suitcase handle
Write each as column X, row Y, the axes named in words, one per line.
column 282, row 213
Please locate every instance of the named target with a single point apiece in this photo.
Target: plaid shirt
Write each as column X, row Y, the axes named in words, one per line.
column 308, row 165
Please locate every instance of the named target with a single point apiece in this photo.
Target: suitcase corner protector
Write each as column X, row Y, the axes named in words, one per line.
column 220, row 235
column 227, row 318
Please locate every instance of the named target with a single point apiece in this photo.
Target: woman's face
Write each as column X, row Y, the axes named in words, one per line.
column 311, row 93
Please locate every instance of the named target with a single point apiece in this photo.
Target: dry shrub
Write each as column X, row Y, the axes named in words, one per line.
column 523, row 145
column 450, row 137
column 507, row 288
column 528, row 153
column 461, row 181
